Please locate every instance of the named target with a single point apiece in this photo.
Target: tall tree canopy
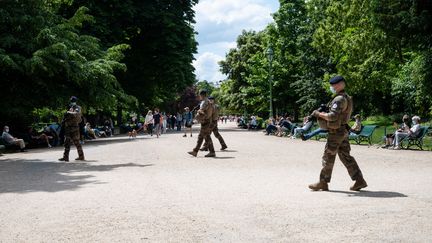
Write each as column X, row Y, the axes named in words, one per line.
column 161, row 39
column 44, row 59
column 383, row 48
column 109, row 53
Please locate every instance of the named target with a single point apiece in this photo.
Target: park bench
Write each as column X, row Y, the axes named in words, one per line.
column 409, row 141
column 364, row 135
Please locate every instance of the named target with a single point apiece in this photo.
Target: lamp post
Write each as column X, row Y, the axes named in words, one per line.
column 270, row 58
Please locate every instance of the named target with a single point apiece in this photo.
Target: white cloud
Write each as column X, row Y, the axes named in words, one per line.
column 218, row 48
column 229, row 12
column 207, row 68
column 218, row 23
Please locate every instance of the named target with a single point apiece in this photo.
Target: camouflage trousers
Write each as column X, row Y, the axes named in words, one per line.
column 215, row 131
column 72, row 137
column 205, row 131
column 337, row 143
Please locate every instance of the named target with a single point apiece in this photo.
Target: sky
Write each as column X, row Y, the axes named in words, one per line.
column 218, row 23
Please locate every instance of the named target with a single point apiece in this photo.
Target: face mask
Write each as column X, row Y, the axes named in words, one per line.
column 73, row 104
column 414, row 122
column 7, row 130
column 333, row 90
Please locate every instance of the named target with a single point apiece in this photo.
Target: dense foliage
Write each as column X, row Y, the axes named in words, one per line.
column 383, row 48
column 111, row 54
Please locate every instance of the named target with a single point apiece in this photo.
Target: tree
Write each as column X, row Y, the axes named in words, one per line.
column 370, row 41
column 161, row 39
column 44, row 59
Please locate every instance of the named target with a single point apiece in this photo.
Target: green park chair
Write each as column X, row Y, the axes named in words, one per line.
column 407, row 142
column 364, row 135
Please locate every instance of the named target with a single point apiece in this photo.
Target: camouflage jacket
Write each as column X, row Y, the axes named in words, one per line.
column 340, row 109
column 71, row 119
column 205, row 112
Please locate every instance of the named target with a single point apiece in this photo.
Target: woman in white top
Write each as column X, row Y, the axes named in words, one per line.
column 413, row 132
column 148, row 122
column 164, row 122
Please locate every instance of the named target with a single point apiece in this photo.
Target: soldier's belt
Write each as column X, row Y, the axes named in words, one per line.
column 341, row 128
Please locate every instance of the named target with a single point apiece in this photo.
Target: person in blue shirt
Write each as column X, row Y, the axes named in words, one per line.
column 188, row 121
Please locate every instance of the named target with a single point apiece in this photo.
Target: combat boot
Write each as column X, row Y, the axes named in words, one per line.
column 193, row 153
column 359, row 184
column 80, row 158
column 211, row 154
column 204, row 149
column 321, row 185
column 224, row 147
column 64, row 159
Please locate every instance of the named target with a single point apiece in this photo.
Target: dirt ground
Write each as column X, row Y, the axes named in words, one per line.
column 151, row 190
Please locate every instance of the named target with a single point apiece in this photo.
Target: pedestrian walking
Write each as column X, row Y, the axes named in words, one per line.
column 157, row 122
column 188, row 118
column 179, row 120
column 340, row 109
column 71, row 121
column 215, row 129
column 164, row 122
column 204, row 116
column 148, row 122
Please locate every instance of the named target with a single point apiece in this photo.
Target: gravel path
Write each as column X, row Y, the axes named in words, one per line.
column 151, row 190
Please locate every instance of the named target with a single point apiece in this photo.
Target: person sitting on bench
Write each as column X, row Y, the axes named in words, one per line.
column 357, row 127
column 9, row 139
column 412, row 132
column 36, row 138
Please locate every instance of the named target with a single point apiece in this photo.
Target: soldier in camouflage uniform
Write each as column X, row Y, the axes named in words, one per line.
column 337, row 143
column 215, row 129
column 204, row 116
column 71, row 121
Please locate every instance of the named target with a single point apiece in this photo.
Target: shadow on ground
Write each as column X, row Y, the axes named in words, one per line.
column 89, row 143
column 222, row 157
column 377, row 194
column 23, row 176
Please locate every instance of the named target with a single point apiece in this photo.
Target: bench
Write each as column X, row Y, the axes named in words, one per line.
column 364, row 135
column 415, row 141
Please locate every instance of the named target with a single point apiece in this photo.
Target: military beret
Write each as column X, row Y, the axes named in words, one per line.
column 336, row 79
column 73, row 99
column 211, row 98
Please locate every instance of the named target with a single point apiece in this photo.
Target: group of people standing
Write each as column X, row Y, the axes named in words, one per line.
column 157, row 123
